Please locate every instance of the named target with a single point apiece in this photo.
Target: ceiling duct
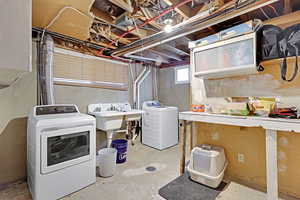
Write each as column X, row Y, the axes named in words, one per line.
column 45, row 70
column 124, row 20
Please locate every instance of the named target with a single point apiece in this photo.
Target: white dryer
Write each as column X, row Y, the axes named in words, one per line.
column 159, row 125
column 61, row 151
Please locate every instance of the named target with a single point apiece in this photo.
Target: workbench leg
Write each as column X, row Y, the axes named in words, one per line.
column 272, row 169
column 183, row 147
column 191, row 136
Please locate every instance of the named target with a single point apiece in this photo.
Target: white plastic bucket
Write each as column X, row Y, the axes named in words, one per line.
column 107, row 161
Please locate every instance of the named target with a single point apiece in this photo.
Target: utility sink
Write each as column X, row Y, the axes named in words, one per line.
column 110, row 117
column 112, row 120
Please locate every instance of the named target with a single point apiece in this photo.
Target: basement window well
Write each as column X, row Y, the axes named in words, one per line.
column 182, row 74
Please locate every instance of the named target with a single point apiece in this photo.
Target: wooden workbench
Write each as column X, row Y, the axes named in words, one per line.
column 270, row 125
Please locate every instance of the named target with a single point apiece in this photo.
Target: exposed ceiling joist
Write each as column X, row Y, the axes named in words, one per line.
column 104, row 45
column 286, row 20
column 142, row 58
column 157, row 57
column 102, row 16
column 183, row 10
column 175, row 50
column 197, row 23
column 150, row 57
column 166, row 54
column 112, row 36
column 124, row 4
column 148, row 15
column 174, row 64
column 287, row 6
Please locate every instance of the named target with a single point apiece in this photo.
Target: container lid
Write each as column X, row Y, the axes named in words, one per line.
column 208, row 150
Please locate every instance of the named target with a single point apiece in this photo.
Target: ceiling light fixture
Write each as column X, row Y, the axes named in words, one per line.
column 168, row 25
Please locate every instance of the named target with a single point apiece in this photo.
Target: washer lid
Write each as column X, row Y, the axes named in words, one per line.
column 60, row 120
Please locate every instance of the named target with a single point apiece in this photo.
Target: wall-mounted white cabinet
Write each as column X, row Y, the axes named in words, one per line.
column 15, row 35
column 232, row 57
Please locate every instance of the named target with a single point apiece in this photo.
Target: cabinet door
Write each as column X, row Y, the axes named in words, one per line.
column 15, row 34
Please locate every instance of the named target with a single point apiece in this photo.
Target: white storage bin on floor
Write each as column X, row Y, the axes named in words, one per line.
column 107, row 161
column 207, row 165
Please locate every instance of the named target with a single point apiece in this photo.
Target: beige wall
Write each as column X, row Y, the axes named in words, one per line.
column 83, row 96
column 73, row 65
column 172, row 94
column 15, row 103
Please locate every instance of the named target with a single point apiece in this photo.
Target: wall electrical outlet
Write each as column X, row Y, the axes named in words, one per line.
column 241, row 158
column 215, row 136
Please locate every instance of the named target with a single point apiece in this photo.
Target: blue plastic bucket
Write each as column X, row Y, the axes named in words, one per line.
column 121, row 146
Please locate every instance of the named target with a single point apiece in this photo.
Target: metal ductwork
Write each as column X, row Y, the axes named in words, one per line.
column 199, row 22
column 45, row 71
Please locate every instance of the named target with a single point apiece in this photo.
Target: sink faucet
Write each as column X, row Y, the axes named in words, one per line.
column 117, row 108
column 112, row 108
column 97, row 109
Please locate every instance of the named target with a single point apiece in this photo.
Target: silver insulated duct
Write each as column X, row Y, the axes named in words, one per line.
column 45, row 71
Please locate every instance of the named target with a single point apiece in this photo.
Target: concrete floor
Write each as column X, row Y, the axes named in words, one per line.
column 133, row 182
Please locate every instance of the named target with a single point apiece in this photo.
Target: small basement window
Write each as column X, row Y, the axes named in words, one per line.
column 182, row 74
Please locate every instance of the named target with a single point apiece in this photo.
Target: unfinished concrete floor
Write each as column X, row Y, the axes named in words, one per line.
column 133, row 182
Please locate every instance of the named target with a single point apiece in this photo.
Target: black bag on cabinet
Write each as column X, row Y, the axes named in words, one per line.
column 289, row 45
column 268, row 38
column 277, row 43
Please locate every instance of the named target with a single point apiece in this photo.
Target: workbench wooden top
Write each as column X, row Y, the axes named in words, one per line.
column 279, row 124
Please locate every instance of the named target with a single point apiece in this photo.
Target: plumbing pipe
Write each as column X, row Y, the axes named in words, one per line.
column 139, row 84
column 135, row 84
column 109, row 137
column 154, row 85
column 154, row 82
column 131, row 72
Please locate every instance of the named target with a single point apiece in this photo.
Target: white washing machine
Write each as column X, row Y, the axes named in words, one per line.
column 61, row 151
column 159, row 125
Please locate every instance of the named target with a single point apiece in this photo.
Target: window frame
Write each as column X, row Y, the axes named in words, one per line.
column 176, row 72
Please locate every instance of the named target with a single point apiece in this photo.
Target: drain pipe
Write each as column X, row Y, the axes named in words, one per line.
column 136, row 85
column 154, row 83
column 139, row 85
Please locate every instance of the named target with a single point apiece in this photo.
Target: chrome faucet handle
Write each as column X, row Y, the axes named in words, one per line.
column 111, row 107
column 97, row 109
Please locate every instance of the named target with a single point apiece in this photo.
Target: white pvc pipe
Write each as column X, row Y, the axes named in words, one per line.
column 137, row 80
column 138, row 86
column 155, row 85
column 131, row 72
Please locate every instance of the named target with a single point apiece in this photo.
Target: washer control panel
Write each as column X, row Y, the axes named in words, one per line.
column 56, row 109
